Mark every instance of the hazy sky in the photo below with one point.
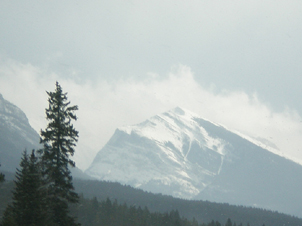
(238, 63)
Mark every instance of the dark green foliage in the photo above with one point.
(108, 213)
(91, 212)
(229, 222)
(2, 177)
(5, 195)
(213, 223)
(203, 211)
(27, 207)
(59, 139)
(8, 217)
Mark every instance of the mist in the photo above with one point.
(106, 105)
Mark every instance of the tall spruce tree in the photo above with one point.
(28, 207)
(59, 139)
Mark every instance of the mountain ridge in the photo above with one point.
(165, 132)
(16, 135)
(181, 154)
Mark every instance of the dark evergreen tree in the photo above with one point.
(229, 222)
(8, 218)
(2, 177)
(194, 222)
(217, 223)
(59, 139)
(27, 207)
(212, 223)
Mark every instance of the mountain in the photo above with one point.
(181, 154)
(16, 135)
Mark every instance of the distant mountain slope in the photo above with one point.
(254, 176)
(16, 135)
(178, 153)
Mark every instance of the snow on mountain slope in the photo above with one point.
(180, 154)
(16, 135)
(169, 149)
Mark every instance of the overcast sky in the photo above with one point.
(237, 63)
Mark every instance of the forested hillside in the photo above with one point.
(108, 203)
(108, 213)
(202, 211)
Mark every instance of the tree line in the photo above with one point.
(110, 213)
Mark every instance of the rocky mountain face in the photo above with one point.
(16, 135)
(180, 154)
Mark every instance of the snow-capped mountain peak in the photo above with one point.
(170, 148)
(181, 154)
(172, 128)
